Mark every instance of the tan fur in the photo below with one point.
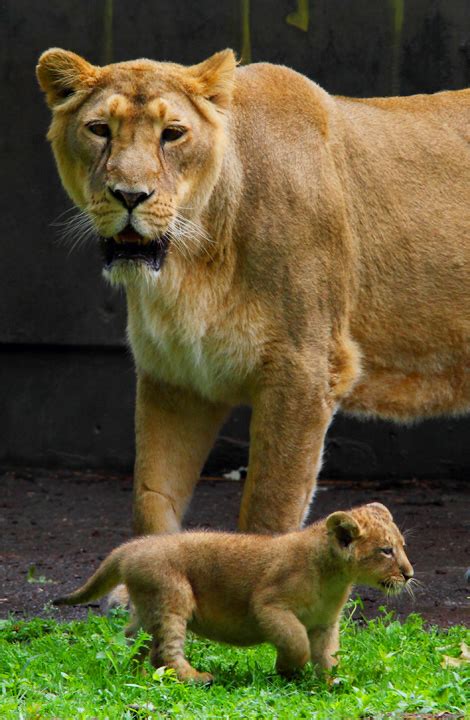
(327, 265)
(248, 589)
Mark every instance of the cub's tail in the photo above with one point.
(101, 582)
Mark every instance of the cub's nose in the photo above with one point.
(130, 200)
(407, 573)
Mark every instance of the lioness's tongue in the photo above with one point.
(128, 235)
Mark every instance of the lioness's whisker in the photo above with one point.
(185, 231)
(192, 227)
(82, 238)
(78, 215)
(75, 230)
(183, 236)
(178, 242)
(58, 221)
(77, 223)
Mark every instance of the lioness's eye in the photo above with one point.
(388, 551)
(170, 134)
(100, 129)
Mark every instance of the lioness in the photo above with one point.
(288, 590)
(279, 247)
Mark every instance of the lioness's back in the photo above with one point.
(403, 171)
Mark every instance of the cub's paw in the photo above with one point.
(289, 673)
(202, 678)
(190, 675)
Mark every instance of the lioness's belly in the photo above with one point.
(393, 394)
(416, 355)
(415, 376)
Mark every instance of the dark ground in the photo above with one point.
(56, 526)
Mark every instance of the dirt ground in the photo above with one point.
(56, 526)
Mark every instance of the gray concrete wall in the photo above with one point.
(66, 377)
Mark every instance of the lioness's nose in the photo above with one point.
(130, 200)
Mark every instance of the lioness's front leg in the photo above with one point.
(291, 413)
(175, 430)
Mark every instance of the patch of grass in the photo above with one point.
(84, 670)
(33, 577)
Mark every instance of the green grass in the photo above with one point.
(79, 670)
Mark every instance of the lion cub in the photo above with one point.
(287, 590)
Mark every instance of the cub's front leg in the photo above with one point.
(324, 644)
(282, 629)
(175, 430)
(292, 409)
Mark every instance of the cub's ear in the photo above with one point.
(61, 73)
(380, 510)
(343, 527)
(214, 78)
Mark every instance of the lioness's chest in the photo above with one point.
(195, 343)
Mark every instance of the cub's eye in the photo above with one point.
(170, 134)
(100, 129)
(388, 551)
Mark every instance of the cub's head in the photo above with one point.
(371, 546)
(139, 147)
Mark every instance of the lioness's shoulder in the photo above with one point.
(278, 92)
(275, 80)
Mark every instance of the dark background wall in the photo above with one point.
(66, 376)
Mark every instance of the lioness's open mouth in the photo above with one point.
(129, 246)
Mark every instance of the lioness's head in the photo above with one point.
(139, 147)
(372, 547)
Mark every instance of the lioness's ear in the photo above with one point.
(61, 73)
(214, 78)
(343, 527)
(380, 510)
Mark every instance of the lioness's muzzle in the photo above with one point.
(152, 253)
